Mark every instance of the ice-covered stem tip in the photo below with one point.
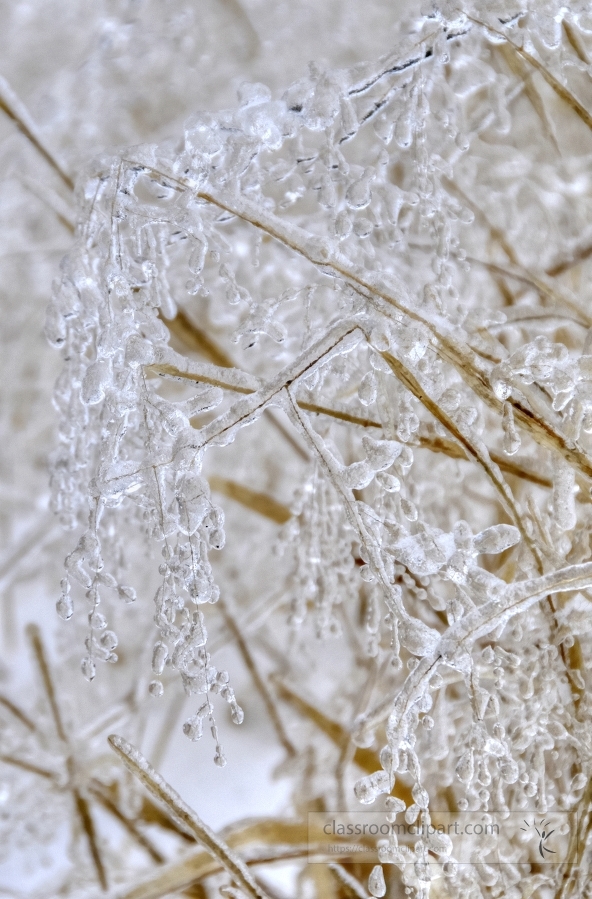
(185, 816)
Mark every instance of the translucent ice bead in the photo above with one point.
(376, 882)
(65, 606)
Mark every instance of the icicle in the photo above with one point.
(511, 437)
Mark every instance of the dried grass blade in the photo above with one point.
(165, 370)
(15, 109)
(88, 827)
(196, 339)
(28, 766)
(159, 788)
(556, 85)
(553, 83)
(17, 712)
(100, 793)
(257, 677)
(365, 759)
(518, 67)
(261, 503)
(34, 635)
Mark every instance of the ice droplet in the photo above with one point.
(388, 482)
(395, 805)
(193, 728)
(358, 475)
(367, 389)
(236, 713)
(465, 768)
(65, 606)
(128, 594)
(159, 657)
(93, 385)
(156, 689)
(511, 440)
(509, 771)
(376, 883)
(88, 668)
(220, 758)
(380, 454)
(420, 796)
(579, 782)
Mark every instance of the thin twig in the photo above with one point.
(15, 109)
(159, 788)
(257, 677)
(17, 712)
(99, 792)
(80, 802)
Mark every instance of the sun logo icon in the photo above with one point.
(543, 834)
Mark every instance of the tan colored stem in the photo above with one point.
(162, 791)
(259, 502)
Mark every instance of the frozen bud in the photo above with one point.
(499, 384)
(358, 194)
(380, 339)
(412, 813)
(138, 352)
(376, 883)
(394, 805)
(496, 539)
(380, 454)
(343, 225)
(564, 512)
(358, 475)
(389, 482)
(386, 759)
(159, 657)
(55, 326)
(450, 400)
(509, 771)
(367, 389)
(128, 594)
(193, 728)
(97, 376)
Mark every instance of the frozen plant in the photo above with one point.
(328, 379)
